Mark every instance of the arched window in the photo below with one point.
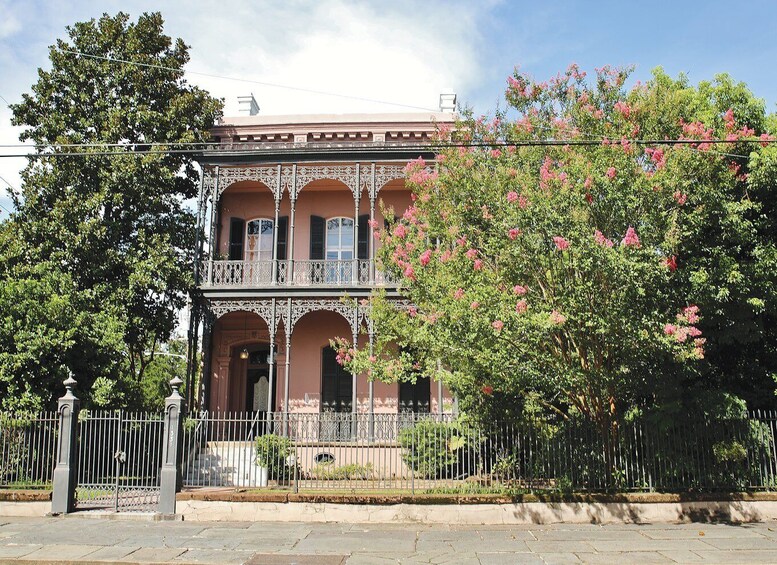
(339, 239)
(259, 236)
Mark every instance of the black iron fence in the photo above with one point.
(438, 453)
(27, 449)
(119, 454)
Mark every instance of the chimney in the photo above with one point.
(247, 105)
(447, 100)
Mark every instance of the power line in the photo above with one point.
(249, 81)
(7, 103)
(199, 148)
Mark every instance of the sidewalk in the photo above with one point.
(92, 539)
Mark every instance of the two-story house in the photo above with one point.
(287, 203)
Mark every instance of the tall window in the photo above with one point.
(259, 240)
(339, 247)
(339, 239)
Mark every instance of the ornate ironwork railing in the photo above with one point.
(258, 274)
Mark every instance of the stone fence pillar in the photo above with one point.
(170, 475)
(64, 484)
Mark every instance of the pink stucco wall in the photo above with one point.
(311, 334)
(250, 200)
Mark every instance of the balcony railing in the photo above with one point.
(306, 273)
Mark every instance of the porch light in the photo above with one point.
(244, 353)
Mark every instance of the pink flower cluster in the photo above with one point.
(680, 197)
(623, 108)
(657, 157)
(601, 239)
(631, 239)
(521, 306)
(513, 233)
(498, 325)
(557, 318)
(561, 243)
(681, 332)
(611, 173)
(520, 290)
(426, 256)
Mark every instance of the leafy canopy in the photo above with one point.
(106, 236)
(579, 275)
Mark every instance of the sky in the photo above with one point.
(404, 52)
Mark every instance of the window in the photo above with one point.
(339, 239)
(339, 250)
(259, 236)
(414, 397)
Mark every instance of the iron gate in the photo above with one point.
(119, 460)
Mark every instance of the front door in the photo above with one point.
(336, 399)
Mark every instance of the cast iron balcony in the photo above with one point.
(305, 273)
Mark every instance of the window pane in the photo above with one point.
(254, 227)
(346, 255)
(331, 255)
(266, 227)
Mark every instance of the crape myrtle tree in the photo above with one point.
(555, 264)
(97, 255)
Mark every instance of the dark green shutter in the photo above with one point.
(317, 234)
(236, 232)
(283, 228)
(363, 249)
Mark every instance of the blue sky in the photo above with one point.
(407, 52)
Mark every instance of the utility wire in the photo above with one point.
(249, 81)
(199, 148)
(7, 103)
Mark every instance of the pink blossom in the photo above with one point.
(373, 359)
(487, 390)
(611, 172)
(601, 240)
(477, 265)
(561, 243)
(445, 256)
(412, 311)
(519, 290)
(521, 306)
(496, 153)
(523, 202)
(373, 223)
(623, 108)
(471, 253)
(631, 239)
(680, 198)
(425, 257)
(409, 273)
(458, 294)
(513, 233)
(690, 314)
(462, 241)
(497, 325)
(557, 318)
(512, 196)
(588, 182)
(400, 231)
(671, 263)
(670, 329)
(475, 305)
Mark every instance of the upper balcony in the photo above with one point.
(282, 273)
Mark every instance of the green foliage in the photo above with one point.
(432, 449)
(589, 279)
(95, 261)
(351, 471)
(273, 453)
(729, 452)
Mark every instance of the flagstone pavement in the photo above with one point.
(90, 539)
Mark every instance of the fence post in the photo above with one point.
(64, 484)
(170, 475)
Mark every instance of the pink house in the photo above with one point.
(286, 203)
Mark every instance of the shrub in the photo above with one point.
(431, 449)
(274, 453)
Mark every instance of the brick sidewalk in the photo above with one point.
(97, 540)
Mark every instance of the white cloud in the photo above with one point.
(402, 51)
